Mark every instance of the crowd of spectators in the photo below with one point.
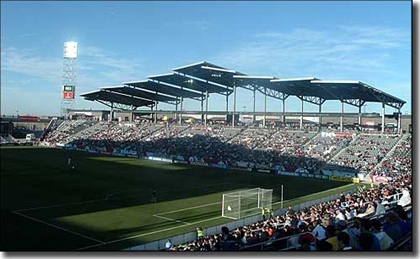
(360, 221)
(366, 151)
(324, 148)
(271, 147)
(341, 224)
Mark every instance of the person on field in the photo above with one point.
(70, 163)
(200, 233)
(168, 244)
(154, 195)
(263, 213)
(270, 213)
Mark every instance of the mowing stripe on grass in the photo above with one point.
(60, 205)
(107, 198)
(145, 234)
(189, 208)
(183, 222)
(57, 227)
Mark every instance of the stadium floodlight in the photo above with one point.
(241, 204)
(69, 77)
(70, 49)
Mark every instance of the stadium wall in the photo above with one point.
(333, 175)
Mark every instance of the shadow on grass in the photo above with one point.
(34, 177)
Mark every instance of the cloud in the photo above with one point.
(305, 52)
(29, 35)
(24, 61)
(95, 67)
(379, 37)
(39, 78)
(191, 25)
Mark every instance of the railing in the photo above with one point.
(283, 243)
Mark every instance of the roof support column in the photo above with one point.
(360, 116)
(341, 116)
(284, 111)
(180, 111)
(111, 114)
(207, 107)
(383, 118)
(176, 110)
(301, 114)
(202, 108)
(320, 117)
(253, 107)
(399, 121)
(265, 105)
(156, 107)
(227, 105)
(234, 105)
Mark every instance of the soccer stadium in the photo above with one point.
(130, 179)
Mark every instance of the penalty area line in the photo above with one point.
(189, 208)
(146, 234)
(57, 227)
(180, 221)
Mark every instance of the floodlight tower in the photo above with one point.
(69, 77)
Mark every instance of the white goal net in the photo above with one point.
(241, 204)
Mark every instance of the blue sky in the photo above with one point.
(126, 41)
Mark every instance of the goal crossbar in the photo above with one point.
(244, 203)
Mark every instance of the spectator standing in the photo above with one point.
(384, 240)
(168, 244)
(339, 216)
(344, 242)
(318, 231)
(342, 227)
(380, 208)
(228, 241)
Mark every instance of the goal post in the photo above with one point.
(241, 204)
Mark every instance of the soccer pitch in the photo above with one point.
(105, 202)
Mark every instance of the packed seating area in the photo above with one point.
(361, 221)
(272, 147)
(366, 151)
(287, 142)
(324, 148)
(65, 129)
(374, 218)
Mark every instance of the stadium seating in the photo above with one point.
(367, 153)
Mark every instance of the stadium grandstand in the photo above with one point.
(197, 81)
(375, 214)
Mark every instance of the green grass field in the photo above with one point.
(104, 204)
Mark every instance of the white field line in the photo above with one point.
(99, 200)
(157, 231)
(189, 208)
(279, 202)
(60, 205)
(146, 234)
(167, 229)
(57, 227)
(183, 222)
